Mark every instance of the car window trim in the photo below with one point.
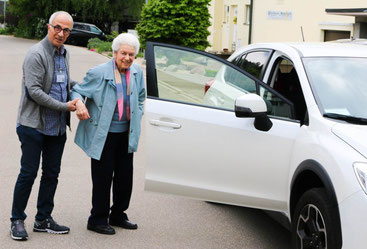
(218, 108)
(263, 70)
(152, 89)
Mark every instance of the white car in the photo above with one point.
(278, 127)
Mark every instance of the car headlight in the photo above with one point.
(360, 169)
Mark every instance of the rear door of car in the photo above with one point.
(197, 149)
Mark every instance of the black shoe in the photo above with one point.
(50, 226)
(104, 229)
(124, 224)
(17, 230)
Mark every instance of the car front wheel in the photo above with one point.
(314, 223)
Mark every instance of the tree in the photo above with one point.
(33, 15)
(179, 22)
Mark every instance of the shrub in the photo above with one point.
(104, 47)
(23, 30)
(140, 54)
(41, 28)
(93, 42)
(112, 36)
(8, 30)
(99, 45)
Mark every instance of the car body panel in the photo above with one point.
(204, 160)
(354, 135)
(353, 216)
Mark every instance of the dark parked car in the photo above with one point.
(82, 32)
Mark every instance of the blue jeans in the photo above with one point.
(33, 145)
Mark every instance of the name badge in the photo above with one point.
(60, 77)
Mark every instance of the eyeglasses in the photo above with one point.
(58, 29)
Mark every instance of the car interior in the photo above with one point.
(286, 82)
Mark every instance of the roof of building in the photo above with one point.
(348, 12)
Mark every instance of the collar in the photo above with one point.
(108, 73)
(61, 51)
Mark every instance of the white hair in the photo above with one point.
(126, 39)
(53, 16)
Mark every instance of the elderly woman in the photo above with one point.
(109, 131)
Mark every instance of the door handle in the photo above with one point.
(164, 124)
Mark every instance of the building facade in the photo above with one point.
(239, 22)
(230, 24)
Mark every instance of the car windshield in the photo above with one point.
(339, 85)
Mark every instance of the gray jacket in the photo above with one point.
(38, 73)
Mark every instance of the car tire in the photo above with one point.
(314, 223)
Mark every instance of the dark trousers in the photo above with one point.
(114, 167)
(33, 145)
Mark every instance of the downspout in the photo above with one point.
(250, 24)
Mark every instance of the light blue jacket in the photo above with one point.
(99, 89)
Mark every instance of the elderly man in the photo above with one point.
(44, 113)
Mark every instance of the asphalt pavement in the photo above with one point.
(164, 221)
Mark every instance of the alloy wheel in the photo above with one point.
(311, 229)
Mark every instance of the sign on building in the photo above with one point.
(280, 15)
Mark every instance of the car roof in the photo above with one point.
(357, 41)
(306, 49)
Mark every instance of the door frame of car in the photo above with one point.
(151, 76)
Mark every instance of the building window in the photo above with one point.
(247, 14)
(226, 14)
(331, 35)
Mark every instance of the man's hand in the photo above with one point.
(81, 111)
(72, 105)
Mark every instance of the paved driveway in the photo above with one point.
(164, 221)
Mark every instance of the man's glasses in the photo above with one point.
(58, 29)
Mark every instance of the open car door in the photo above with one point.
(195, 144)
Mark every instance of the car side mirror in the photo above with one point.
(253, 106)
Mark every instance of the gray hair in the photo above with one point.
(53, 16)
(126, 39)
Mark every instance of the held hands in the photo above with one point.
(71, 105)
(81, 111)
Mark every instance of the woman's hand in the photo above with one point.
(81, 110)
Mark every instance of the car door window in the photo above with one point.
(285, 81)
(77, 26)
(82, 27)
(95, 30)
(194, 77)
(236, 60)
(254, 62)
(236, 79)
(276, 106)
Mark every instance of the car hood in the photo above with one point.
(354, 135)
